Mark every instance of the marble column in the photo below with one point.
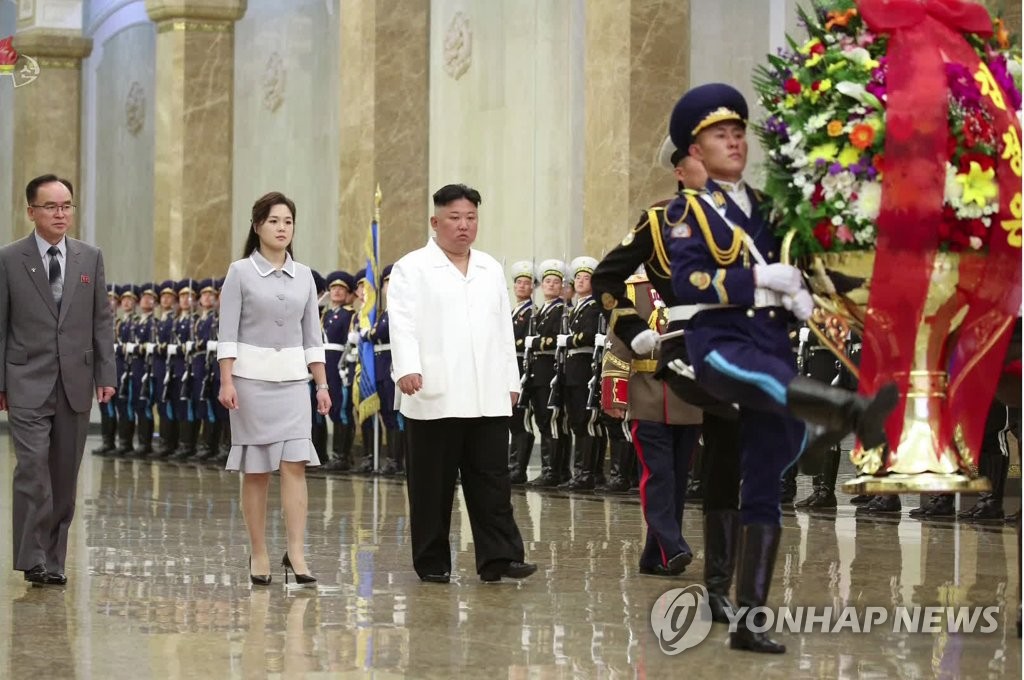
(384, 109)
(194, 121)
(47, 112)
(636, 64)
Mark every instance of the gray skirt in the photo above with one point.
(273, 422)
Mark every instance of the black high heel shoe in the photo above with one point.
(300, 579)
(258, 580)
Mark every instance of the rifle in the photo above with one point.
(126, 377)
(555, 398)
(185, 393)
(206, 393)
(527, 366)
(594, 386)
(147, 376)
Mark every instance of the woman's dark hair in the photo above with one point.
(260, 212)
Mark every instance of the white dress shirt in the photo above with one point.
(454, 330)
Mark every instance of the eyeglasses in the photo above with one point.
(54, 208)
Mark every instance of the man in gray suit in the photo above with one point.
(56, 344)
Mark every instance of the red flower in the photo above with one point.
(824, 232)
(818, 48)
(815, 85)
(793, 86)
(982, 160)
(977, 228)
(952, 145)
(818, 196)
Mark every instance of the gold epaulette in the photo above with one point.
(614, 367)
(723, 257)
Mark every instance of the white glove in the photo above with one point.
(211, 346)
(600, 339)
(682, 369)
(188, 347)
(801, 304)
(353, 338)
(528, 342)
(782, 278)
(805, 332)
(172, 350)
(645, 342)
(561, 340)
(129, 347)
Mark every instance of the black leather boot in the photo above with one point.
(208, 448)
(202, 436)
(759, 544)
(108, 432)
(721, 535)
(548, 452)
(125, 434)
(145, 431)
(622, 458)
(339, 456)
(695, 487)
(824, 495)
(168, 438)
(600, 447)
(583, 478)
(522, 449)
(563, 457)
(840, 412)
(391, 444)
(187, 443)
(989, 506)
(788, 483)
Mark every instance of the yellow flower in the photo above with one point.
(836, 65)
(848, 156)
(825, 85)
(809, 45)
(790, 101)
(813, 60)
(835, 128)
(979, 185)
(826, 152)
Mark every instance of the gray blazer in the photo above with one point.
(36, 338)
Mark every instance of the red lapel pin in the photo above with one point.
(85, 278)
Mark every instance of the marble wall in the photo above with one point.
(504, 92)
(286, 132)
(125, 129)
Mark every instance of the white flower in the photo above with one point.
(976, 243)
(864, 236)
(818, 121)
(839, 184)
(858, 55)
(808, 190)
(869, 200)
(837, 220)
(954, 189)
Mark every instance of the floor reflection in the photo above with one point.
(159, 588)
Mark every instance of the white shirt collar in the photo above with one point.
(732, 187)
(264, 268)
(441, 258)
(43, 246)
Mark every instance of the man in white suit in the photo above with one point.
(56, 347)
(454, 360)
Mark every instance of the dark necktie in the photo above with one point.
(56, 285)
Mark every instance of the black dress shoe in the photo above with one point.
(36, 574)
(882, 504)
(436, 578)
(861, 499)
(54, 578)
(512, 569)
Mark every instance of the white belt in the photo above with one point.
(581, 350)
(385, 347)
(333, 347)
(762, 298)
(545, 353)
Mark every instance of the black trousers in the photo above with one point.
(721, 463)
(476, 449)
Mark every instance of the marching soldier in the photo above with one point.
(543, 371)
(336, 321)
(108, 411)
(124, 350)
(204, 367)
(380, 336)
(144, 337)
(665, 431)
(521, 432)
(724, 260)
(181, 372)
(168, 314)
(579, 343)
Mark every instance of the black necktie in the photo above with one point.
(56, 287)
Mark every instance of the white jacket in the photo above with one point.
(455, 331)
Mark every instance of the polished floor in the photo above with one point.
(158, 588)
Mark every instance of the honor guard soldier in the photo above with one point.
(542, 346)
(817, 361)
(108, 411)
(223, 444)
(579, 346)
(144, 337)
(168, 314)
(124, 350)
(394, 429)
(204, 367)
(520, 428)
(644, 246)
(665, 431)
(181, 372)
(355, 336)
(336, 321)
(318, 431)
(724, 258)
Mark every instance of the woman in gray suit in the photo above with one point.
(269, 343)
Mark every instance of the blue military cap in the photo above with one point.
(340, 278)
(385, 273)
(128, 290)
(185, 286)
(168, 286)
(206, 285)
(218, 284)
(113, 290)
(320, 281)
(360, 275)
(148, 289)
(703, 106)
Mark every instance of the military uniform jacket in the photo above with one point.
(711, 265)
(583, 322)
(628, 382)
(521, 315)
(547, 328)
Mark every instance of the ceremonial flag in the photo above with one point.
(366, 399)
